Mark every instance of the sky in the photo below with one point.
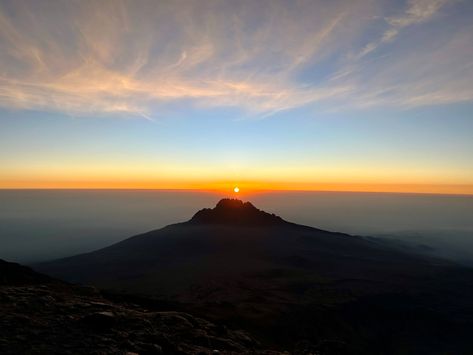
(354, 95)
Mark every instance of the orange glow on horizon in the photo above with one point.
(248, 186)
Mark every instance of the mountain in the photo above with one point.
(235, 242)
(288, 283)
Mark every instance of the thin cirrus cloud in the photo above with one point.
(124, 57)
(416, 12)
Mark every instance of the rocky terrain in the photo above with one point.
(40, 315)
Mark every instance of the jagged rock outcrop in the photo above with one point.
(234, 211)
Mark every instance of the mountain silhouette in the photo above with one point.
(282, 281)
(233, 243)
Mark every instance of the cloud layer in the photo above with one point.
(132, 57)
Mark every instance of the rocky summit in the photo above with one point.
(234, 211)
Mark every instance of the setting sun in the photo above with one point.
(236, 189)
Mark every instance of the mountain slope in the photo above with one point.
(14, 274)
(234, 242)
(289, 284)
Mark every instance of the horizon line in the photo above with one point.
(234, 194)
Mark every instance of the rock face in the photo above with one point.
(58, 318)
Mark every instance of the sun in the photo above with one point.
(236, 189)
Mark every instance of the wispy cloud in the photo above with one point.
(427, 75)
(124, 57)
(417, 12)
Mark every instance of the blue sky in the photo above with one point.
(288, 92)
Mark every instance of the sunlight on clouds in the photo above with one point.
(123, 57)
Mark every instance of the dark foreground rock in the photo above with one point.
(60, 319)
(16, 274)
(40, 315)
